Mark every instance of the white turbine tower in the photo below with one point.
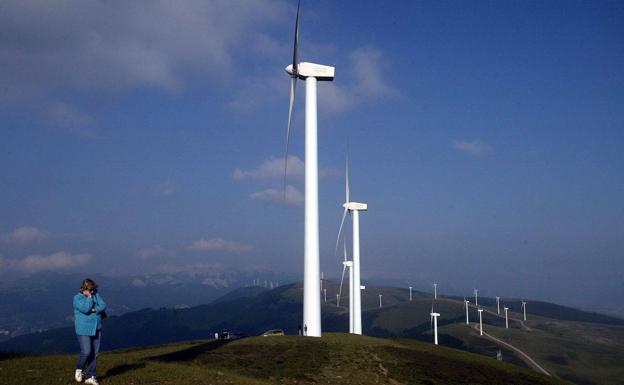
(476, 294)
(410, 293)
(435, 290)
(524, 309)
(498, 305)
(310, 73)
(325, 295)
(481, 321)
(380, 300)
(506, 319)
(322, 281)
(354, 209)
(466, 302)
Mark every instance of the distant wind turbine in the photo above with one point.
(466, 302)
(310, 73)
(347, 264)
(476, 294)
(481, 321)
(506, 319)
(325, 294)
(498, 305)
(354, 209)
(380, 300)
(434, 318)
(435, 290)
(410, 293)
(524, 309)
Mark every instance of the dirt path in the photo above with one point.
(525, 357)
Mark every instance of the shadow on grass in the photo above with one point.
(191, 353)
(121, 369)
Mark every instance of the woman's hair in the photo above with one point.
(88, 284)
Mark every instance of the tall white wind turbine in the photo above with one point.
(410, 293)
(435, 290)
(476, 294)
(380, 295)
(498, 305)
(466, 302)
(354, 209)
(310, 73)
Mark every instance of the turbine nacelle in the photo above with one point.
(319, 71)
(348, 263)
(355, 206)
(435, 314)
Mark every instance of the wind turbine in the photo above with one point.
(476, 294)
(524, 309)
(410, 293)
(322, 281)
(310, 73)
(434, 318)
(380, 300)
(347, 264)
(481, 321)
(506, 319)
(466, 302)
(325, 294)
(498, 305)
(435, 290)
(354, 209)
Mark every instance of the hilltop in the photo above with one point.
(333, 359)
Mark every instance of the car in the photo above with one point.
(273, 332)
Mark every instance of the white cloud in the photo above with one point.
(273, 168)
(292, 196)
(152, 251)
(163, 189)
(366, 81)
(57, 261)
(70, 118)
(475, 147)
(27, 234)
(219, 244)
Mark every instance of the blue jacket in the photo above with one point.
(87, 314)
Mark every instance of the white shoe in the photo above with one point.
(79, 376)
(92, 381)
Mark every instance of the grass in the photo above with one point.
(334, 359)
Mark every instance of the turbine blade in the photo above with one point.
(344, 267)
(347, 179)
(344, 246)
(295, 64)
(293, 89)
(344, 215)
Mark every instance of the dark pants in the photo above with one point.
(89, 352)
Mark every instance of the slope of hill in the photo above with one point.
(579, 351)
(334, 358)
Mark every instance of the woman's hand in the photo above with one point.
(86, 293)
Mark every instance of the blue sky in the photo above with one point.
(485, 136)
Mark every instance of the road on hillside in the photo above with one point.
(524, 326)
(525, 357)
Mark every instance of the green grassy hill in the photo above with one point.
(333, 359)
(583, 352)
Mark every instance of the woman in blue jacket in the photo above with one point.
(89, 307)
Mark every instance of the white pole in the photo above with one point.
(498, 305)
(467, 321)
(476, 293)
(410, 293)
(337, 300)
(311, 287)
(506, 320)
(357, 290)
(325, 294)
(481, 321)
(321, 281)
(351, 291)
(380, 301)
(435, 329)
(435, 291)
